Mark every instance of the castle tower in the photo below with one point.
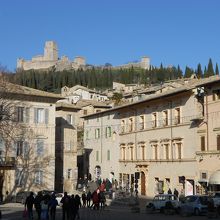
(81, 61)
(145, 62)
(50, 51)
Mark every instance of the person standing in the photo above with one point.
(88, 198)
(52, 206)
(169, 191)
(176, 193)
(29, 205)
(84, 199)
(65, 201)
(37, 204)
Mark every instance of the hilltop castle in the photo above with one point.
(50, 59)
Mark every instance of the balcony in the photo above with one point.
(7, 162)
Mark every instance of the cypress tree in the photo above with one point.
(216, 69)
(188, 72)
(210, 70)
(199, 71)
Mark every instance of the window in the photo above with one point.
(165, 118)
(19, 177)
(202, 139)
(141, 122)
(20, 148)
(218, 142)
(41, 115)
(177, 116)
(40, 147)
(85, 112)
(132, 152)
(142, 152)
(166, 151)
(155, 151)
(69, 173)
(108, 155)
(108, 132)
(123, 152)
(154, 120)
(122, 126)
(216, 94)
(20, 114)
(204, 175)
(179, 150)
(131, 124)
(69, 119)
(68, 146)
(97, 155)
(2, 147)
(97, 133)
(38, 177)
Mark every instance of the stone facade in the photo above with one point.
(50, 60)
(33, 146)
(164, 138)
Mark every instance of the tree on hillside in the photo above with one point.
(188, 72)
(210, 69)
(216, 69)
(179, 72)
(117, 98)
(199, 73)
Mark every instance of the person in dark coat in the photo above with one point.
(52, 206)
(65, 201)
(77, 205)
(72, 208)
(176, 193)
(37, 204)
(88, 198)
(29, 205)
(84, 199)
(169, 191)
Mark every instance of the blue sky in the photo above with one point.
(173, 32)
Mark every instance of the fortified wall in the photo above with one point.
(50, 59)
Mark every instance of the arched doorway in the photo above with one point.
(143, 187)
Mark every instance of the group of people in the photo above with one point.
(45, 205)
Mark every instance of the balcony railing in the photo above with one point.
(7, 162)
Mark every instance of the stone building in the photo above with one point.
(27, 155)
(50, 59)
(162, 138)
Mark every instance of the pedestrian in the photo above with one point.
(65, 207)
(102, 200)
(169, 191)
(29, 205)
(72, 208)
(176, 193)
(95, 200)
(88, 198)
(52, 206)
(77, 205)
(45, 207)
(84, 199)
(37, 204)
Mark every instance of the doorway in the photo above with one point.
(143, 187)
